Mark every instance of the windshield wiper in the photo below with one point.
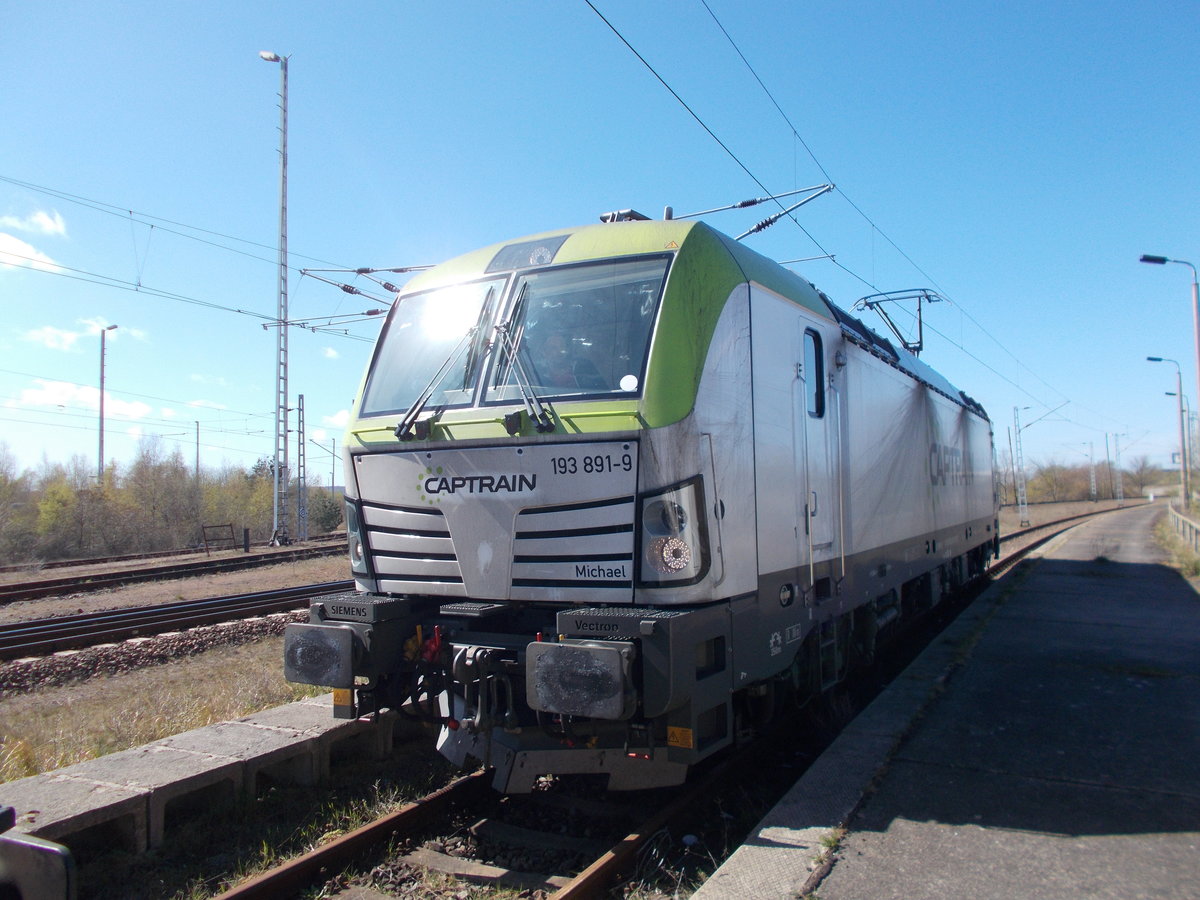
(534, 408)
(404, 431)
(478, 345)
(409, 424)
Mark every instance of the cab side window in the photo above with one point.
(814, 374)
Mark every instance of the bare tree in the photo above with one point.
(1142, 472)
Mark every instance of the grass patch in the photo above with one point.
(1182, 558)
(59, 726)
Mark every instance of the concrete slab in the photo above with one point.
(58, 808)
(171, 778)
(130, 796)
(263, 751)
(313, 718)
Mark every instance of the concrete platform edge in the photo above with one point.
(787, 853)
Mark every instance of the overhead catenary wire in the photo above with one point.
(136, 216)
(699, 121)
(876, 229)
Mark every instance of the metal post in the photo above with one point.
(1196, 330)
(1183, 443)
(1092, 495)
(1120, 474)
(1108, 465)
(1022, 501)
(301, 473)
(1162, 260)
(1189, 474)
(100, 467)
(281, 337)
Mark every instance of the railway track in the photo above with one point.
(49, 587)
(470, 796)
(338, 536)
(39, 637)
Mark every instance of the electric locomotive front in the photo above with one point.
(528, 511)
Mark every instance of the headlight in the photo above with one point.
(360, 563)
(674, 536)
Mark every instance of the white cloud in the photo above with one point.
(125, 409)
(53, 338)
(41, 222)
(338, 420)
(330, 353)
(56, 394)
(15, 253)
(199, 378)
(64, 395)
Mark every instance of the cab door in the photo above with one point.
(820, 503)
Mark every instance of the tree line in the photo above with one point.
(159, 502)
(1052, 481)
(155, 502)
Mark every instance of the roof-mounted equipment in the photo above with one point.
(921, 295)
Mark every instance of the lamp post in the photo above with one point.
(1187, 437)
(280, 525)
(1183, 460)
(1163, 260)
(100, 467)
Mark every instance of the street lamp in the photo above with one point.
(1183, 459)
(280, 527)
(100, 469)
(1163, 260)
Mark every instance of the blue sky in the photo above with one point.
(1017, 157)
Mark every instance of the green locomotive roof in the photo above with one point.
(719, 255)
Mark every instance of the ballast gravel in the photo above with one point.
(24, 675)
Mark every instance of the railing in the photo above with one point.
(1188, 530)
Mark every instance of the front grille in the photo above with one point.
(411, 550)
(574, 546)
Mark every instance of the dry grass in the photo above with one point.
(59, 726)
(1183, 559)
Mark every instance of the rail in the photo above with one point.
(47, 587)
(38, 565)
(39, 637)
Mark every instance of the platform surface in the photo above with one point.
(1046, 746)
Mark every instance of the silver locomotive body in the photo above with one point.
(611, 491)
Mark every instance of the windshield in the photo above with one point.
(441, 328)
(579, 330)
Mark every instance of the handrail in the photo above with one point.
(1187, 529)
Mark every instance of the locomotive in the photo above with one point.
(613, 492)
